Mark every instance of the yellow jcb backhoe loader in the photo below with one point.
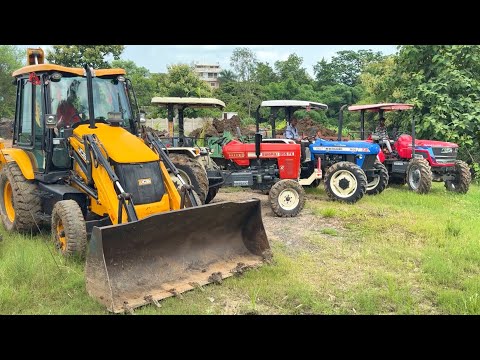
(77, 164)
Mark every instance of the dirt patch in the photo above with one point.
(219, 126)
(308, 127)
(295, 232)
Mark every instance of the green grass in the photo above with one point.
(395, 253)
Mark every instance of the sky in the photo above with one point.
(156, 58)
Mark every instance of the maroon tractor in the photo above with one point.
(412, 161)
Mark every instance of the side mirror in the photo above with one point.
(50, 121)
(142, 117)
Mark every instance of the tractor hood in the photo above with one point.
(407, 139)
(343, 147)
(434, 143)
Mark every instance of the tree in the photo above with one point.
(11, 58)
(143, 83)
(264, 74)
(378, 80)
(226, 76)
(292, 67)
(443, 82)
(345, 67)
(244, 61)
(79, 55)
(181, 80)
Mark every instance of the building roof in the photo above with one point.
(383, 106)
(188, 101)
(294, 103)
(77, 71)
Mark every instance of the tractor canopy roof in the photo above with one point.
(378, 107)
(294, 103)
(76, 71)
(192, 102)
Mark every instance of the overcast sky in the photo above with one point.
(157, 57)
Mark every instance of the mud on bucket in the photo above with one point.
(130, 265)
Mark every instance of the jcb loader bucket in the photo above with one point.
(130, 265)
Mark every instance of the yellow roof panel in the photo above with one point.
(77, 71)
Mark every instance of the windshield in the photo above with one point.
(70, 102)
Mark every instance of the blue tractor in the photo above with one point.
(349, 169)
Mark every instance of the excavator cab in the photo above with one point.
(77, 165)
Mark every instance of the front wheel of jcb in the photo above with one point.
(69, 232)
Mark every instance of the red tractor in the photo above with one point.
(416, 162)
(273, 166)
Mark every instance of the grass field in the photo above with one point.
(397, 253)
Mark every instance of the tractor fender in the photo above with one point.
(21, 158)
(186, 151)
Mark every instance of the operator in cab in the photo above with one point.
(292, 132)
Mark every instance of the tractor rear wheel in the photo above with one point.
(345, 181)
(378, 184)
(463, 178)
(419, 176)
(69, 232)
(287, 198)
(193, 173)
(20, 204)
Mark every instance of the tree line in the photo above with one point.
(442, 81)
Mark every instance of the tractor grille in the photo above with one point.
(368, 162)
(445, 155)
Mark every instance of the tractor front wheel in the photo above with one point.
(69, 232)
(287, 198)
(345, 181)
(419, 176)
(463, 178)
(378, 184)
(20, 204)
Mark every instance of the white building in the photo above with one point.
(208, 73)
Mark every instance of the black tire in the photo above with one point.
(287, 198)
(197, 199)
(463, 178)
(314, 184)
(419, 176)
(348, 174)
(69, 232)
(22, 196)
(378, 184)
(194, 172)
(212, 192)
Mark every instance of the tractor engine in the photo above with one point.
(257, 176)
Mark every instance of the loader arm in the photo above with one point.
(156, 144)
(115, 168)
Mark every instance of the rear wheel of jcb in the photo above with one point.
(419, 176)
(69, 232)
(193, 173)
(463, 178)
(378, 184)
(287, 198)
(20, 204)
(345, 181)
